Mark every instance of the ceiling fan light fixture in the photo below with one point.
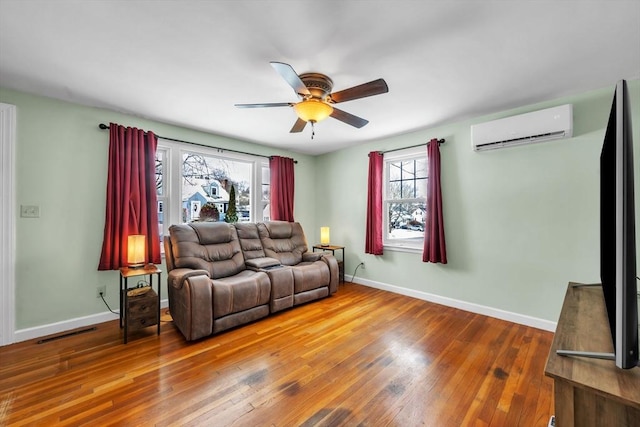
(313, 110)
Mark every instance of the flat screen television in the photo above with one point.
(617, 230)
(618, 235)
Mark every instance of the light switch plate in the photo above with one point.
(29, 211)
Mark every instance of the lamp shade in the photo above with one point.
(313, 110)
(324, 236)
(135, 250)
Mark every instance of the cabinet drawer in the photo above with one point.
(142, 310)
(134, 323)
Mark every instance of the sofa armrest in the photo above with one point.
(334, 275)
(263, 262)
(179, 275)
(191, 305)
(313, 256)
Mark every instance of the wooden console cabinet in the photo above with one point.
(590, 392)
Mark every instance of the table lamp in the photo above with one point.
(135, 250)
(324, 236)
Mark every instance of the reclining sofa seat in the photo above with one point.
(210, 289)
(281, 278)
(286, 242)
(223, 275)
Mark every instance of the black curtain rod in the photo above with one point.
(440, 142)
(104, 127)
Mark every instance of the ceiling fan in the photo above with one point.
(316, 104)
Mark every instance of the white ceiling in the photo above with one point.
(188, 62)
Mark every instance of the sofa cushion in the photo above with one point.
(283, 240)
(310, 275)
(240, 292)
(249, 240)
(209, 246)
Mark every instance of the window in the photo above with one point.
(192, 181)
(161, 163)
(404, 199)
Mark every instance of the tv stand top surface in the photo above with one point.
(583, 326)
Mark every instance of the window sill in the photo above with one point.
(409, 249)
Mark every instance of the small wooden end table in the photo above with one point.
(333, 249)
(137, 312)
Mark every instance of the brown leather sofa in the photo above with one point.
(223, 275)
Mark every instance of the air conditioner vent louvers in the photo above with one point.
(538, 126)
(526, 139)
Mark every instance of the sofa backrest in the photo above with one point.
(283, 240)
(210, 246)
(249, 240)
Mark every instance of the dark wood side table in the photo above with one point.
(590, 392)
(140, 311)
(333, 249)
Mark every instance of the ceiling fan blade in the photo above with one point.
(271, 104)
(298, 126)
(289, 74)
(349, 118)
(375, 87)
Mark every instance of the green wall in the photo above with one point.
(520, 222)
(61, 166)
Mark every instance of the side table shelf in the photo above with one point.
(333, 249)
(140, 311)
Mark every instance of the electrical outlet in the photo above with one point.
(362, 265)
(101, 290)
(29, 211)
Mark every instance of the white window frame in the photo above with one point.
(172, 179)
(401, 245)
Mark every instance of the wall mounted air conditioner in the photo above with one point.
(538, 126)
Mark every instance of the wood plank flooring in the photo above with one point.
(363, 357)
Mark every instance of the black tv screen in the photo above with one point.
(617, 231)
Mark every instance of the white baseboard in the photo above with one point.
(81, 322)
(68, 325)
(509, 316)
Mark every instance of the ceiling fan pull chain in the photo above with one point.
(313, 129)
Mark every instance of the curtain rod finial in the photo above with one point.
(103, 126)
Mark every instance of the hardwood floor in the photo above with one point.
(363, 357)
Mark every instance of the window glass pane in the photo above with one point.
(421, 188)
(265, 213)
(395, 190)
(406, 220)
(394, 171)
(421, 168)
(160, 156)
(206, 183)
(408, 169)
(408, 189)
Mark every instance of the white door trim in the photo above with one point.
(7, 223)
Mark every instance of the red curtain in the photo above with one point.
(435, 249)
(132, 206)
(373, 239)
(282, 188)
